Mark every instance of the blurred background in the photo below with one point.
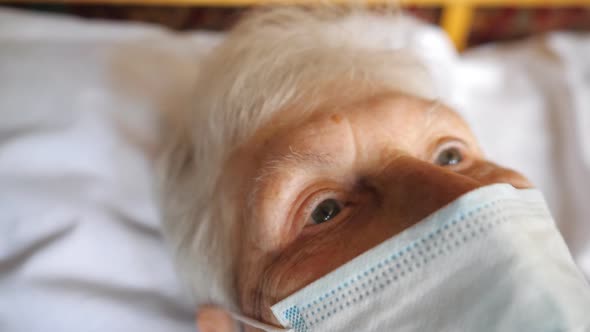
(489, 22)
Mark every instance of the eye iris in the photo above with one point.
(449, 157)
(325, 211)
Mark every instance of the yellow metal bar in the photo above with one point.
(497, 3)
(474, 3)
(456, 20)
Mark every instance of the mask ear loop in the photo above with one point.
(259, 325)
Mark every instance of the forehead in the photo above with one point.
(397, 118)
(366, 132)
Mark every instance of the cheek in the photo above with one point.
(301, 263)
(315, 255)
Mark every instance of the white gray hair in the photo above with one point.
(272, 59)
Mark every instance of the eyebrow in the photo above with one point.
(282, 162)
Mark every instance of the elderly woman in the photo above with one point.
(316, 185)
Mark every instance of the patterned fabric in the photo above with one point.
(489, 24)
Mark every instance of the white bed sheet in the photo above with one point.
(529, 103)
(80, 244)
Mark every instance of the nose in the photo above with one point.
(488, 173)
(410, 189)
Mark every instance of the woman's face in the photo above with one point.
(317, 193)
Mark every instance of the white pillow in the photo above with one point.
(529, 104)
(80, 242)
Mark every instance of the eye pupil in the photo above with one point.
(325, 211)
(449, 157)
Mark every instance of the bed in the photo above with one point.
(80, 243)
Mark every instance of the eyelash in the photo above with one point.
(314, 199)
(317, 199)
(447, 143)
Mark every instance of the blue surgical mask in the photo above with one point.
(492, 260)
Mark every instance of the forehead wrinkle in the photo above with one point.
(434, 112)
(283, 164)
(438, 114)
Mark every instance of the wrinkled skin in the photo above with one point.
(388, 161)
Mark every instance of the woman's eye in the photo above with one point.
(326, 210)
(449, 157)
